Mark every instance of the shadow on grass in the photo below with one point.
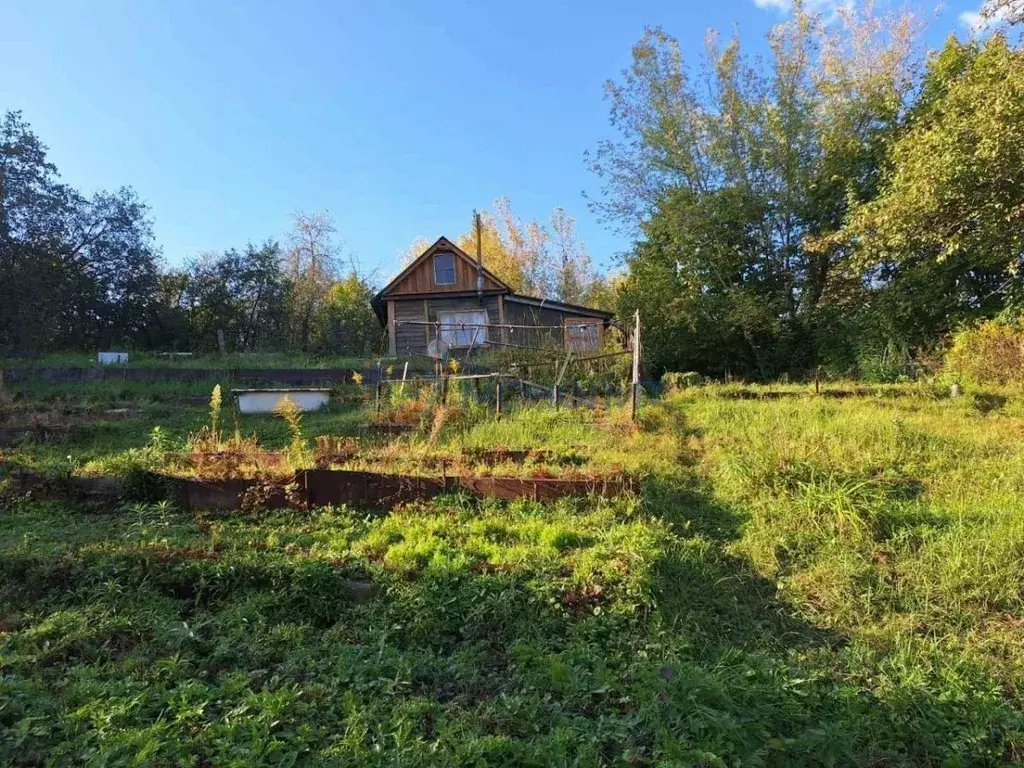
(704, 591)
(450, 662)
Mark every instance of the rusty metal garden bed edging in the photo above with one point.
(323, 487)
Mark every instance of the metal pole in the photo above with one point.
(636, 368)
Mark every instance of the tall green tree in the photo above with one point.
(346, 323)
(311, 264)
(243, 293)
(726, 172)
(953, 189)
(74, 271)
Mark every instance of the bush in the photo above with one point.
(886, 365)
(673, 381)
(991, 352)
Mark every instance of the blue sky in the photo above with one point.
(399, 117)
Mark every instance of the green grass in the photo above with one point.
(227, 361)
(802, 581)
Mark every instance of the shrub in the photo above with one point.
(891, 363)
(991, 352)
(674, 381)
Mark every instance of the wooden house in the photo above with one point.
(446, 300)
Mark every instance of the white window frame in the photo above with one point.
(467, 328)
(455, 277)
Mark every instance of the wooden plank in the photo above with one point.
(503, 333)
(392, 331)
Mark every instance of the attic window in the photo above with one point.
(444, 269)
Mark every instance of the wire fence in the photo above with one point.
(488, 371)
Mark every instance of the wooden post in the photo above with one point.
(405, 370)
(497, 398)
(222, 344)
(392, 331)
(554, 395)
(503, 331)
(376, 392)
(444, 389)
(636, 368)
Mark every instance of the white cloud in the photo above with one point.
(825, 7)
(974, 21)
(979, 24)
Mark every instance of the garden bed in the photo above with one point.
(320, 487)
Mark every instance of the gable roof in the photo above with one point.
(442, 244)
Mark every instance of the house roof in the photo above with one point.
(560, 305)
(442, 244)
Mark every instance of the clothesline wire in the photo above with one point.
(439, 324)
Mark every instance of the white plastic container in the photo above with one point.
(265, 400)
(112, 358)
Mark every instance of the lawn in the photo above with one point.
(800, 580)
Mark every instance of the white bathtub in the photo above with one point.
(264, 400)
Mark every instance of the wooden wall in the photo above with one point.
(421, 279)
(410, 339)
(413, 339)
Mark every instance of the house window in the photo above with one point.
(463, 329)
(583, 335)
(444, 269)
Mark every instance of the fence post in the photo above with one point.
(554, 396)
(376, 390)
(497, 398)
(444, 389)
(636, 368)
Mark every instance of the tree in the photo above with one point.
(74, 271)
(413, 251)
(944, 239)
(243, 293)
(728, 180)
(110, 240)
(1010, 11)
(532, 258)
(347, 324)
(510, 249)
(310, 265)
(574, 270)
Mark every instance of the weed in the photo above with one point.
(289, 412)
(215, 406)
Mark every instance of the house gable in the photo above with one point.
(420, 277)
